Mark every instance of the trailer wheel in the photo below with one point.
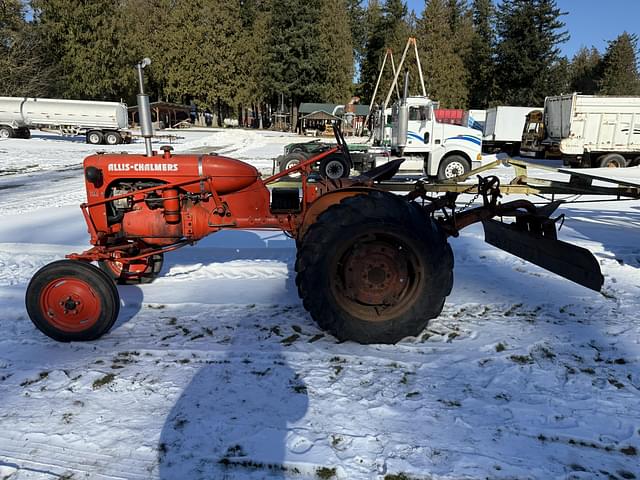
(6, 132)
(453, 166)
(71, 300)
(334, 166)
(24, 133)
(94, 137)
(141, 272)
(612, 160)
(112, 138)
(291, 160)
(374, 269)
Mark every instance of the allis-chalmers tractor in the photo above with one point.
(371, 266)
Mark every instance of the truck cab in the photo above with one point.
(440, 149)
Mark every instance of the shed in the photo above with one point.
(168, 113)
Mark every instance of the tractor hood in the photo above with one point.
(227, 174)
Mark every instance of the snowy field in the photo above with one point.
(215, 371)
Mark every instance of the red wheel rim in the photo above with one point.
(70, 304)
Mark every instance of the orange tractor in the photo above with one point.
(371, 266)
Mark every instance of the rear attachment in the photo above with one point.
(569, 261)
(531, 237)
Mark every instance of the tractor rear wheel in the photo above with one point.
(334, 166)
(139, 272)
(71, 300)
(374, 269)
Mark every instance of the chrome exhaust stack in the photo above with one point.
(144, 109)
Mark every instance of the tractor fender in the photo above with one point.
(325, 201)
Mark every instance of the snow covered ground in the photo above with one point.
(216, 371)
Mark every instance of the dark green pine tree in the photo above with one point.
(291, 68)
(252, 52)
(335, 52)
(445, 72)
(387, 27)
(373, 52)
(529, 35)
(620, 67)
(585, 71)
(24, 69)
(461, 24)
(480, 62)
(87, 44)
(357, 23)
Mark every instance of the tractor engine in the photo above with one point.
(162, 199)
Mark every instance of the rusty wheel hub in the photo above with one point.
(375, 273)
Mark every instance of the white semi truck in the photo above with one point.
(100, 122)
(593, 131)
(503, 129)
(437, 149)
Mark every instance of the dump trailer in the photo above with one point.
(593, 131)
(100, 122)
(503, 129)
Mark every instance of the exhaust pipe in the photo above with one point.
(144, 110)
(405, 92)
(402, 128)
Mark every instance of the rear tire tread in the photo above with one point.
(365, 209)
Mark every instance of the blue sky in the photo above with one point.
(589, 22)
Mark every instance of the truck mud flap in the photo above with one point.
(569, 261)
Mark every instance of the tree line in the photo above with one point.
(247, 56)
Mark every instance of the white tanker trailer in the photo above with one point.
(100, 122)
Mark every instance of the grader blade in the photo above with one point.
(569, 261)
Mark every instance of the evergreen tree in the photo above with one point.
(480, 62)
(461, 24)
(252, 52)
(585, 71)
(374, 50)
(529, 33)
(386, 28)
(291, 68)
(335, 52)
(24, 70)
(620, 67)
(86, 42)
(140, 21)
(357, 24)
(445, 75)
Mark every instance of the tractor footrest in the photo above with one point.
(285, 200)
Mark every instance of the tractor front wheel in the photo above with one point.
(291, 160)
(138, 272)
(374, 269)
(71, 300)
